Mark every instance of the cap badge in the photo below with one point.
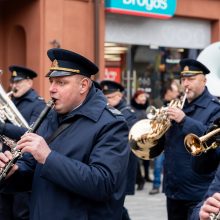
(14, 73)
(105, 87)
(54, 64)
(186, 68)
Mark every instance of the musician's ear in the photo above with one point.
(84, 84)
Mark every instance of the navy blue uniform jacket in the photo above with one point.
(180, 181)
(84, 175)
(30, 106)
(205, 163)
(213, 188)
(131, 118)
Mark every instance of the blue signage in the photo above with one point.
(148, 8)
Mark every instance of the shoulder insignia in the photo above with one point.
(127, 108)
(113, 110)
(216, 100)
(40, 98)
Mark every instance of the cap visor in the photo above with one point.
(189, 74)
(56, 73)
(16, 79)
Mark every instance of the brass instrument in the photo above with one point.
(196, 145)
(8, 111)
(145, 134)
(11, 92)
(16, 154)
(214, 216)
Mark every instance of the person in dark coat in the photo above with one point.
(79, 173)
(29, 104)
(25, 98)
(114, 93)
(207, 162)
(140, 102)
(210, 205)
(183, 187)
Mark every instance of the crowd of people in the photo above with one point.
(79, 165)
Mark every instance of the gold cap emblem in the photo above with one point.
(14, 73)
(105, 87)
(54, 64)
(186, 68)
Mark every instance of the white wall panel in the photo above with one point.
(174, 32)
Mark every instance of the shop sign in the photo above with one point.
(148, 8)
(113, 73)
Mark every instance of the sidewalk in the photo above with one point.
(143, 206)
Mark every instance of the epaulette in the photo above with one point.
(113, 110)
(216, 100)
(128, 108)
(40, 98)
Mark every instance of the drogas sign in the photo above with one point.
(148, 8)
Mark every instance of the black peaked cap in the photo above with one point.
(109, 86)
(190, 67)
(20, 72)
(67, 63)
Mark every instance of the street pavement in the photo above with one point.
(143, 206)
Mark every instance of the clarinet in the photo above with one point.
(214, 216)
(16, 154)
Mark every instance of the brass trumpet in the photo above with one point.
(196, 145)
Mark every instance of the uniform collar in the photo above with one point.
(30, 95)
(203, 99)
(121, 104)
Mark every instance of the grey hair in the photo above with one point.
(81, 77)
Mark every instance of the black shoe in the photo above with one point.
(154, 191)
(140, 186)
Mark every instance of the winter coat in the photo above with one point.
(180, 181)
(131, 118)
(84, 175)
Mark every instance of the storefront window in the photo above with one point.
(143, 67)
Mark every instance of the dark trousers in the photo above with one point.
(14, 206)
(140, 179)
(146, 164)
(179, 209)
(125, 215)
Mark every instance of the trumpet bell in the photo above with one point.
(142, 147)
(193, 144)
(197, 145)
